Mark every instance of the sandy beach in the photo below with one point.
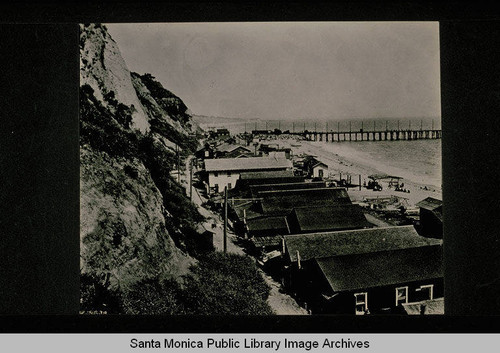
(339, 164)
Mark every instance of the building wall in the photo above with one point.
(222, 179)
(316, 172)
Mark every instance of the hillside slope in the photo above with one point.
(133, 216)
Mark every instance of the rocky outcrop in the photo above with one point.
(122, 224)
(126, 227)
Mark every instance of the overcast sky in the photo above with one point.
(275, 70)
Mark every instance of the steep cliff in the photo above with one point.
(135, 220)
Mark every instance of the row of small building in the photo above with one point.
(322, 246)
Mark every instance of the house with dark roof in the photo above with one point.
(376, 282)
(301, 252)
(269, 205)
(315, 168)
(431, 217)
(224, 172)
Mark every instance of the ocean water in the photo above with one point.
(416, 160)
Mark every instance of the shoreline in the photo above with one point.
(343, 164)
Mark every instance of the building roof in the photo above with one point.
(319, 164)
(328, 218)
(278, 224)
(432, 307)
(260, 242)
(256, 189)
(326, 244)
(246, 164)
(283, 201)
(228, 147)
(430, 204)
(382, 268)
(286, 174)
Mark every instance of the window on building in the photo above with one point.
(216, 174)
(216, 187)
(425, 292)
(361, 302)
(228, 174)
(229, 186)
(401, 295)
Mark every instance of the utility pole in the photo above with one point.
(225, 219)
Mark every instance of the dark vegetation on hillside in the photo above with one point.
(218, 284)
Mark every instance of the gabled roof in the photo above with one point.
(430, 203)
(246, 164)
(228, 147)
(326, 244)
(283, 201)
(383, 268)
(319, 164)
(328, 218)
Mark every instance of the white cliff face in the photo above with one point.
(103, 68)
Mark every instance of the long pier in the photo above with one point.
(382, 135)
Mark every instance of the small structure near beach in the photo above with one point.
(431, 217)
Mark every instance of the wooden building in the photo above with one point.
(431, 217)
(314, 168)
(376, 282)
(224, 172)
(301, 274)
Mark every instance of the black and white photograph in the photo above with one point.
(261, 168)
